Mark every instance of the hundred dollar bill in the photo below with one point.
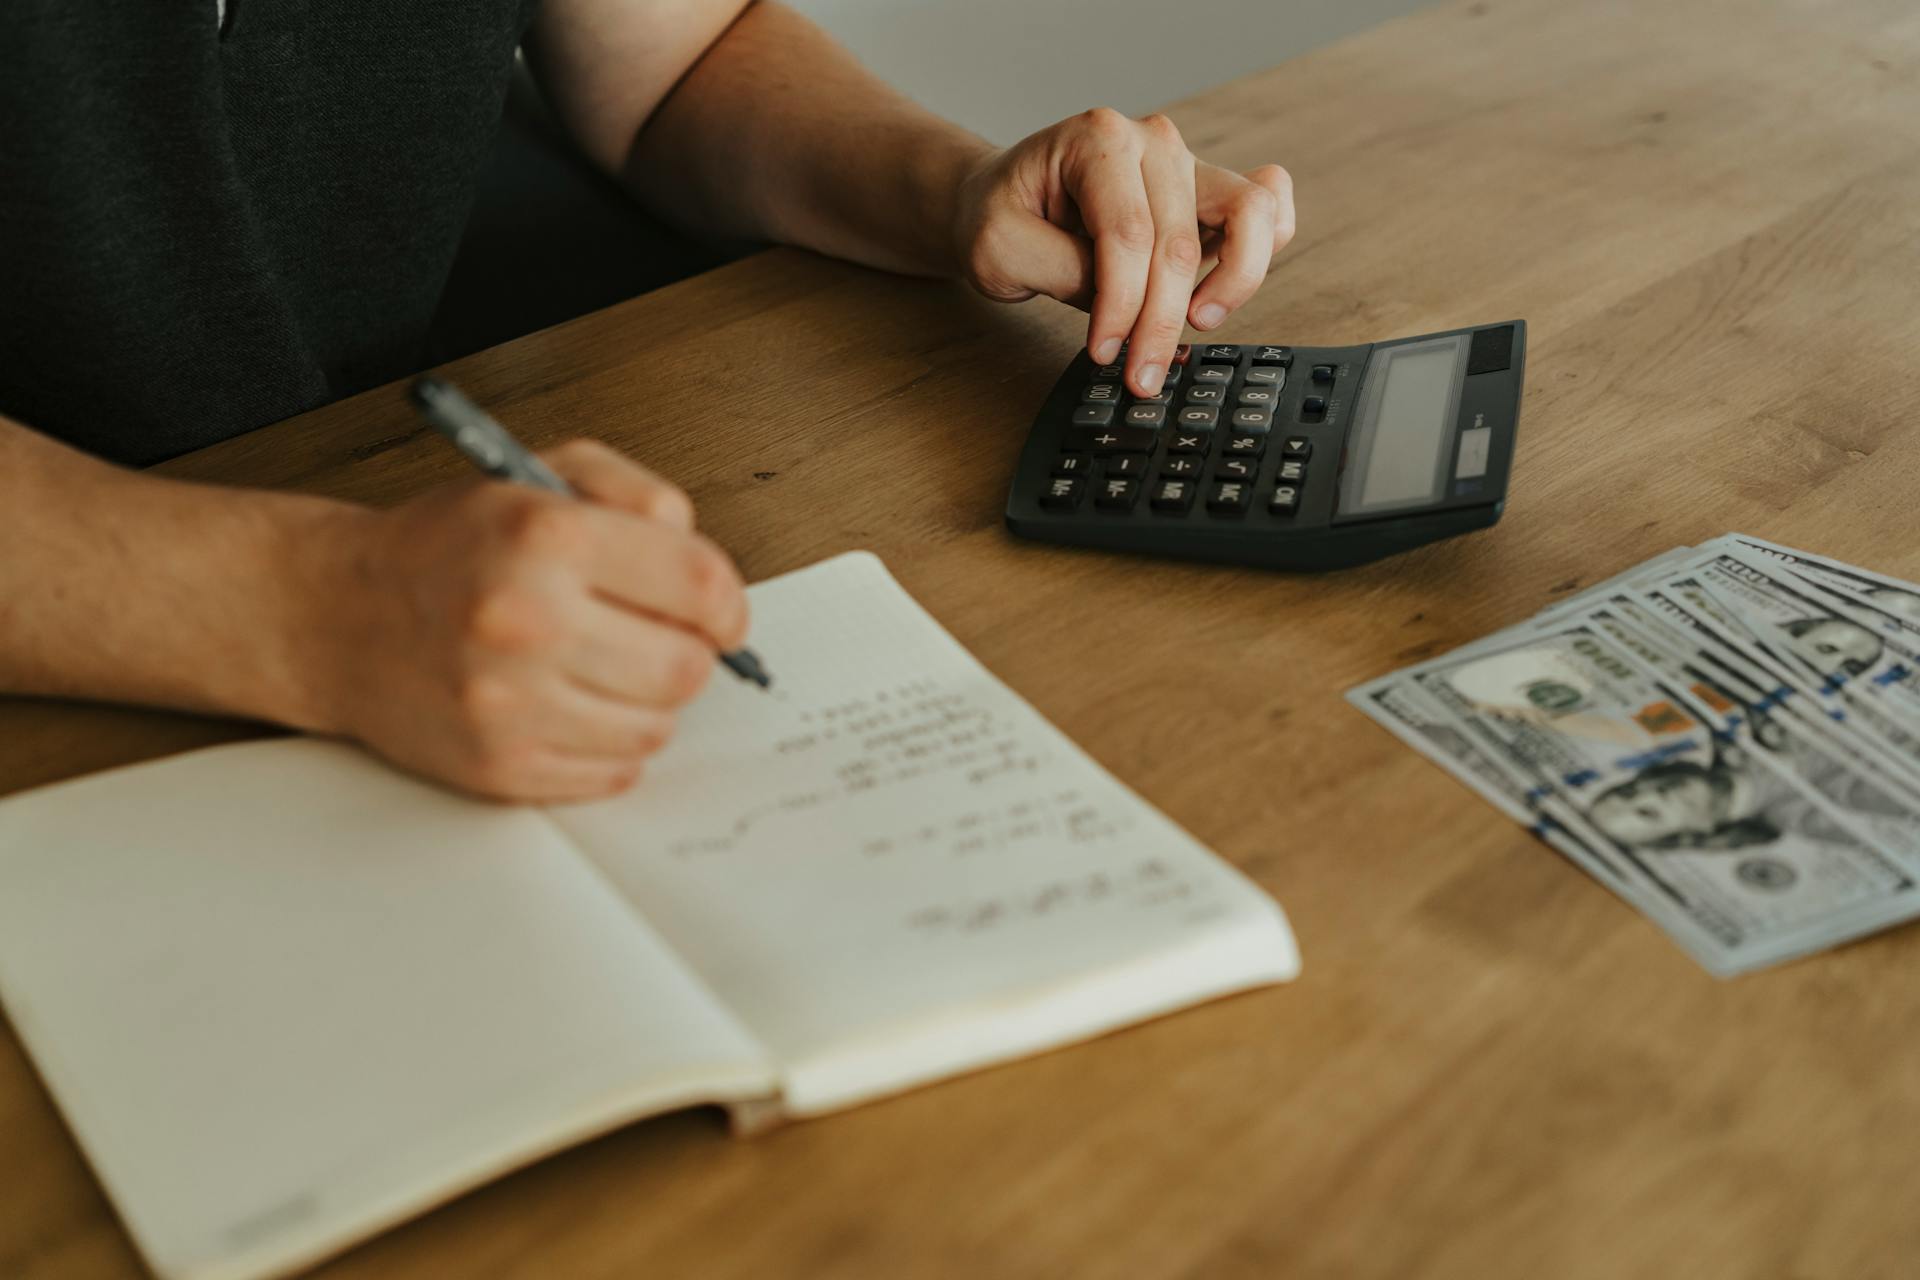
(1686, 601)
(1758, 864)
(1837, 766)
(1662, 642)
(1854, 649)
(1410, 713)
(1892, 596)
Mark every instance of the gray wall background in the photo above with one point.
(1006, 67)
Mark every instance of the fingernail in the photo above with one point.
(1150, 376)
(1210, 315)
(1106, 351)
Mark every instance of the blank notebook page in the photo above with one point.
(892, 854)
(284, 993)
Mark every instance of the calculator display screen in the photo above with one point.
(1403, 427)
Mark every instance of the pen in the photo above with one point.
(491, 448)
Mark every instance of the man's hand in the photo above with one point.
(522, 645)
(1116, 216)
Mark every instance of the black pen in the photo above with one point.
(491, 448)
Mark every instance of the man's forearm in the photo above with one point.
(778, 133)
(129, 588)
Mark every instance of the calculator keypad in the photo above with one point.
(1224, 438)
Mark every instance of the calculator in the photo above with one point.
(1283, 457)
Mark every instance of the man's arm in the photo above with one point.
(747, 121)
(505, 640)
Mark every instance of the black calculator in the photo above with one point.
(1282, 457)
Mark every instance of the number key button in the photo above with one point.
(1209, 394)
(1101, 393)
(1258, 397)
(1213, 373)
(1197, 417)
(1251, 419)
(1146, 415)
(1267, 375)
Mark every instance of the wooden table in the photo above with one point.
(1710, 215)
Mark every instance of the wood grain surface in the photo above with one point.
(1709, 213)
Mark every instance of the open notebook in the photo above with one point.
(286, 996)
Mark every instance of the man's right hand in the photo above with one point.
(520, 644)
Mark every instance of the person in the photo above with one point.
(224, 212)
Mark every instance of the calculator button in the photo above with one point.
(1221, 354)
(1285, 500)
(1229, 496)
(1101, 393)
(1071, 464)
(1206, 393)
(1213, 373)
(1267, 375)
(1291, 473)
(1174, 373)
(1093, 415)
(1116, 495)
(1163, 396)
(1181, 464)
(1197, 417)
(1282, 356)
(1246, 443)
(1109, 372)
(1112, 439)
(1313, 407)
(1146, 415)
(1118, 466)
(1258, 397)
(1323, 373)
(1251, 419)
(1182, 354)
(1296, 447)
(1063, 493)
(1173, 495)
(1179, 441)
(1236, 469)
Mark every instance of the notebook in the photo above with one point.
(286, 996)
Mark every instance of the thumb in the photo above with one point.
(1019, 254)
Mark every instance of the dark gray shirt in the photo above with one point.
(203, 230)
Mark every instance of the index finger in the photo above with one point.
(604, 474)
(668, 573)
